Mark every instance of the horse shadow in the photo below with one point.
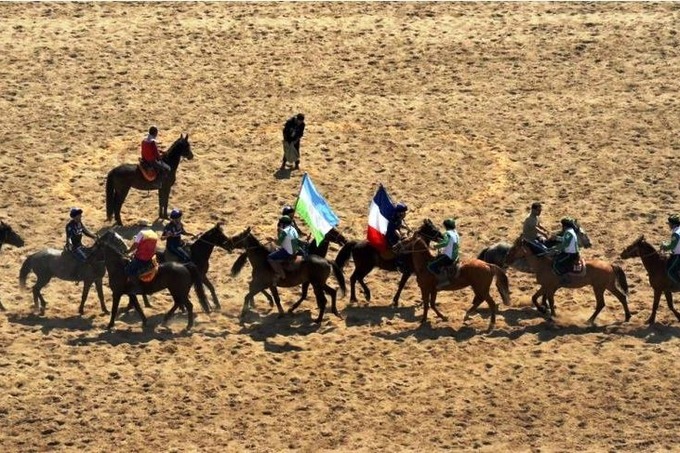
(283, 173)
(369, 315)
(262, 328)
(77, 323)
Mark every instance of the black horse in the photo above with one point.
(50, 263)
(366, 257)
(312, 249)
(175, 277)
(126, 176)
(9, 236)
(313, 269)
(200, 251)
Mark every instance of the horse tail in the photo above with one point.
(621, 278)
(482, 254)
(110, 195)
(339, 276)
(502, 284)
(344, 254)
(197, 280)
(26, 268)
(238, 264)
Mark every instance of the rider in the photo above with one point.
(393, 231)
(289, 211)
(172, 233)
(532, 230)
(74, 235)
(289, 246)
(150, 154)
(449, 255)
(673, 263)
(567, 249)
(144, 249)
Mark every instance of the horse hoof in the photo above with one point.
(650, 321)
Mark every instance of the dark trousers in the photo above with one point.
(564, 262)
(178, 251)
(672, 268)
(438, 263)
(136, 267)
(295, 144)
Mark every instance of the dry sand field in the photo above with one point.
(466, 110)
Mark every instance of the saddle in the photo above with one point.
(148, 172)
(450, 272)
(168, 253)
(147, 275)
(578, 269)
(294, 264)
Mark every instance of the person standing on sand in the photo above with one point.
(293, 131)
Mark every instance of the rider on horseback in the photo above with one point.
(532, 230)
(289, 242)
(144, 249)
(567, 250)
(393, 231)
(449, 255)
(74, 235)
(150, 154)
(673, 263)
(172, 233)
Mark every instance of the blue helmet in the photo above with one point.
(401, 207)
(75, 212)
(175, 214)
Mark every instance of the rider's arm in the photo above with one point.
(672, 244)
(443, 243)
(88, 233)
(564, 242)
(281, 238)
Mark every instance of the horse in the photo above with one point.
(313, 269)
(53, 263)
(474, 273)
(200, 251)
(175, 277)
(655, 264)
(126, 176)
(321, 250)
(598, 274)
(9, 236)
(366, 257)
(498, 252)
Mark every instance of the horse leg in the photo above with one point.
(163, 199)
(433, 305)
(211, 288)
(100, 294)
(623, 299)
(320, 302)
(333, 293)
(476, 302)
(268, 296)
(599, 297)
(86, 290)
(277, 300)
(168, 315)
(358, 275)
(114, 309)
(426, 304)
(147, 304)
(492, 307)
(190, 313)
(2, 307)
(37, 296)
(121, 195)
(402, 283)
(303, 296)
(253, 289)
(655, 305)
(534, 300)
(669, 301)
(135, 303)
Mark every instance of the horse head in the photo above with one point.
(239, 241)
(429, 231)
(112, 240)
(9, 236)
(518, 250)
(215, 236)
(582, 236)
(180, 148)
(334, 235)
(635, 249)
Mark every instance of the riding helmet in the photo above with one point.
(75, 212)
(401, 207)
(674, 219)
(285, 220)
(175, 214)
(287, 210)
(567, 221)
(450, 223)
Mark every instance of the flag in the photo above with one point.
(381, 210)
(314, 210)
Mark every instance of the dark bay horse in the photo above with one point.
(474, 273)
(121, 179)
(366, 257)
(175, 277)
(599, 274)
(655, 264)
(9, 236)
(313, 269)
(52, 263)
(498, 252)
(200, 251)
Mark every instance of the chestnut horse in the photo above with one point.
(474, 272)
(599, 274)
(655, 264)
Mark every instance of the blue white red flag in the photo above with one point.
(382, 209)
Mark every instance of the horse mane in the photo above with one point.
(175, 147)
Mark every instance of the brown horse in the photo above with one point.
(474, 273)
(366, 257)
(599, 274)
(655, 264)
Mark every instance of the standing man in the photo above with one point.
(293, 131)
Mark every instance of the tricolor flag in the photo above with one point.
(382, 209)
(314, 210)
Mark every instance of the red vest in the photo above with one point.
(150, 151)
(146, 248)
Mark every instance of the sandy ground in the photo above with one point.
(472, 110)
